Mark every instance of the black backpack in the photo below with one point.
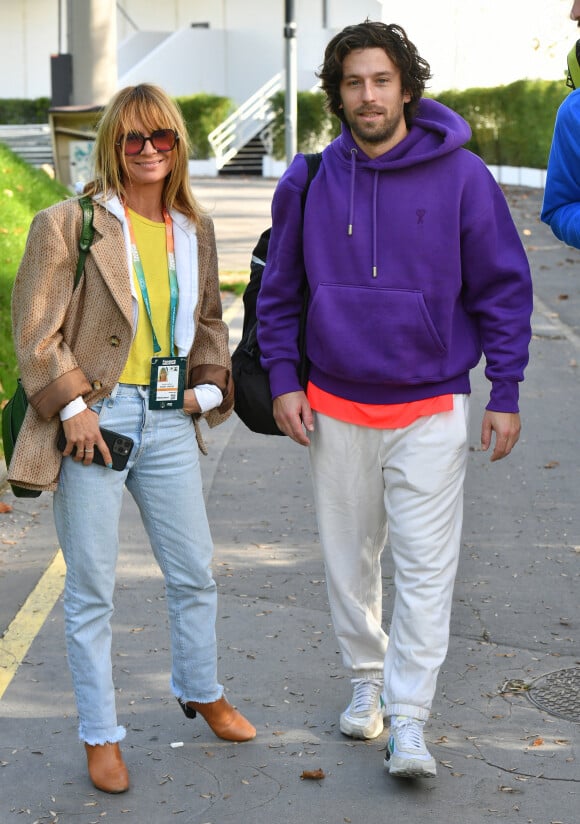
(253, 398)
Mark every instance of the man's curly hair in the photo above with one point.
(415, 72)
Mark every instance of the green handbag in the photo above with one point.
(15, 410)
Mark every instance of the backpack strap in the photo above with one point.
(86, 236)
(313, 162)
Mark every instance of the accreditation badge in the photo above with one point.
(167, 383)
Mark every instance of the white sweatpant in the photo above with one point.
(410, 479)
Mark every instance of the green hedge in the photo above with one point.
(201, 112)
(315, 127)
(512, 125)
(14, 111)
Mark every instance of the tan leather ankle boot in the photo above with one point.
(107, 769)
(223, 719)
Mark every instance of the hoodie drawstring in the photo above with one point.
(350, 227)
(374, 228)
(353, 154)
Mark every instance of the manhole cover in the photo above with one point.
(558, 693)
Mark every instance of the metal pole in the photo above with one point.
(291, 106)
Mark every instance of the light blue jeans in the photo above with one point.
(163, 475)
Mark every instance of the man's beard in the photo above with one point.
(370, 135)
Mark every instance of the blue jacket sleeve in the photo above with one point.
(561, 207)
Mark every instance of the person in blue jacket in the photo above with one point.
(561, 205)
(415, 269)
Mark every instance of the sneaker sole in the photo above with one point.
(410, 767)
(364, 733)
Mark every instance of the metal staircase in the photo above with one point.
(31, 142)
(240, 142)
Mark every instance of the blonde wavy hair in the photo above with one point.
(152, 107)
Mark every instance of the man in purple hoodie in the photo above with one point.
(415, 270)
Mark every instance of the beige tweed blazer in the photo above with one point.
(70, 343)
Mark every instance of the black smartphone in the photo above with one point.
(120, 447)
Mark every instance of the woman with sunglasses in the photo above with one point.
(139, 348)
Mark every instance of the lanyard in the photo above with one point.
(173, 287)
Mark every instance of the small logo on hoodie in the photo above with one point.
(420, 215)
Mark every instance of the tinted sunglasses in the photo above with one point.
(162, 140)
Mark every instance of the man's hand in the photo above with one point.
(293, 415)
(506, 426)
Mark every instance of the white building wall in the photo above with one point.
(467, 42)
(137, 47)
(28, 36)
(243, 48)
(186, 62)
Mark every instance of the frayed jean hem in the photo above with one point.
(201, 698)
(97, 740)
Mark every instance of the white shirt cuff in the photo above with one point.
(208, 396)
(73, 408)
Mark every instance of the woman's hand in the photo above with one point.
(82, 431)
(190, 404)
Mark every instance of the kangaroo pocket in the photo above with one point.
(373, 335)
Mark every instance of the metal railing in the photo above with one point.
(246, 122)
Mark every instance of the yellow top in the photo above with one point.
(151, 243)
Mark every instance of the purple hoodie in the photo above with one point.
(414, 265)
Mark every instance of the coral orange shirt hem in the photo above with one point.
(376, 416)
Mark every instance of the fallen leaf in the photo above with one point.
(537, 742)
(313, 775)
(5, 507)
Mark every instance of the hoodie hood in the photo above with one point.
(435, 132)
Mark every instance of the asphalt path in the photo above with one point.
(515, 619)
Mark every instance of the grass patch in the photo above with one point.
(235, 286)
(24, 190)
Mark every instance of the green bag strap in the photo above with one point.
(86, 236)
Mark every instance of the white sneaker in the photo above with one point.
(363, 718)
(407, 754)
